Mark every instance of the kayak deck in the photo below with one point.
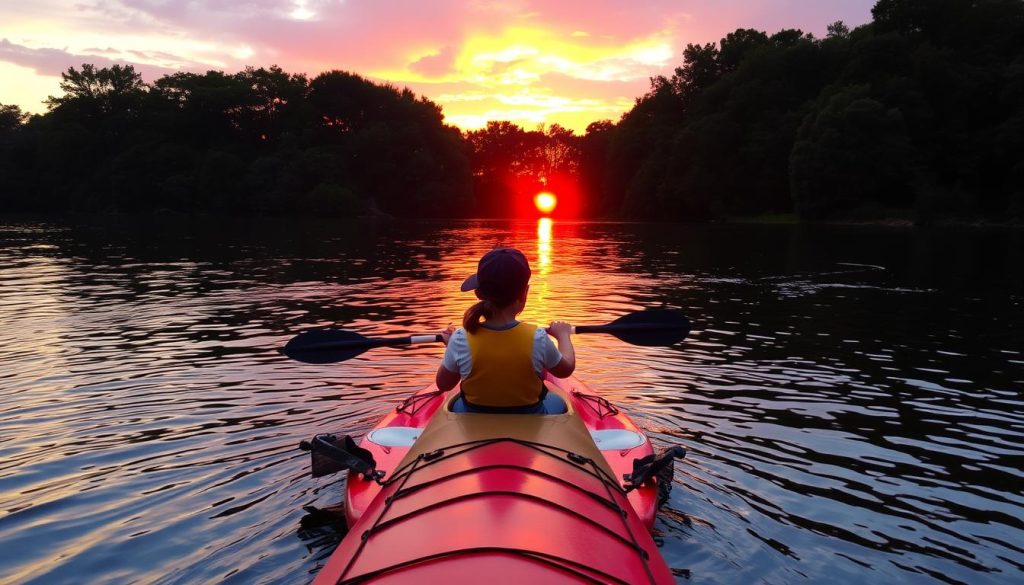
(618, 440)
(506, 498)
(504, 510)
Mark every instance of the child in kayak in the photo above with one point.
(499, 360)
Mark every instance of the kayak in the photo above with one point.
(435, 496)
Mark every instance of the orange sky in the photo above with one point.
(570, 62)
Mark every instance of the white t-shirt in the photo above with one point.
(457, 358)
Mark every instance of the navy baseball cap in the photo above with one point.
(502, 274)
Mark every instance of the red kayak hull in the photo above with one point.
(596, 413)
(522, 499)
(499, 510)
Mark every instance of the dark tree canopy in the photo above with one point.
(918, 115)
(257, 141)
(510, 165)
(96, 92)
(11, 118)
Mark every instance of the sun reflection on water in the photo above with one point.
(544, 245)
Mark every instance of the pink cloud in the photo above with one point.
(414, 40)
(56, 61)
(437, 65)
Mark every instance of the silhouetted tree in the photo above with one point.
(11, 117)
(934, 121)
(919, 113)
(850, 153)
(257, 141)
(594, 148)
(838, 30)
(117, 89)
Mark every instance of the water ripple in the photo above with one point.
(851, 406)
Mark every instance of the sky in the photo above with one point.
(567, 62)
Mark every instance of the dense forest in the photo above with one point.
(258, 141)
(917, 115)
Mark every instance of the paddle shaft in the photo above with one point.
(624, 327)
(370, 343)
(373, 342)
(656, 327)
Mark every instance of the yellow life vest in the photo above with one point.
(501, 367)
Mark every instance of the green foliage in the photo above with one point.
(11, 118)
(93, 92)
(332, 200)
(918, 114)
(257, 141)
(851, 152)
(838, 30)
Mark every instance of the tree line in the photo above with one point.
(258, 141)
(918, 114)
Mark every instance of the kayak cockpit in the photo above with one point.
(590, 429)
(564, 431)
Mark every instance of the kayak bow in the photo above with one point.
(436, 496)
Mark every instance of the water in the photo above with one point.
(851, 397)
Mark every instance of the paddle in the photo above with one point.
(648, 328)
(324, 346)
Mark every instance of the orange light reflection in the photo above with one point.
(544, 245)
(541, 287)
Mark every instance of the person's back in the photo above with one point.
(499, 360)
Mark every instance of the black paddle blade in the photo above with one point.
(326, 346)
(653, 327)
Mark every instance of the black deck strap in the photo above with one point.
(647, 467)
(376, 521)
(579, 571)
(527, 470)
(414, 403)
(402, 476)
(331, 454)
(644, 556)
(548, 450)
(603, 408)
(385, 524)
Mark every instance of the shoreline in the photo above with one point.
(383, 217)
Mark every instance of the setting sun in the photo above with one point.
(545, 202)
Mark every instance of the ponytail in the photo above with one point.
(486, 308)
(471, 319)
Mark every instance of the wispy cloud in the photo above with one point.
(55, 61)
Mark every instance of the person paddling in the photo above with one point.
(500, 360)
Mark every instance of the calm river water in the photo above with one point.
(852, 398)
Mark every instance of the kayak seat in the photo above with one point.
(550, 403)
(394, 436)
(609, 439)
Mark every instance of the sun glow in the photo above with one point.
(545, 202)
(301, 11)
(534, 73)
